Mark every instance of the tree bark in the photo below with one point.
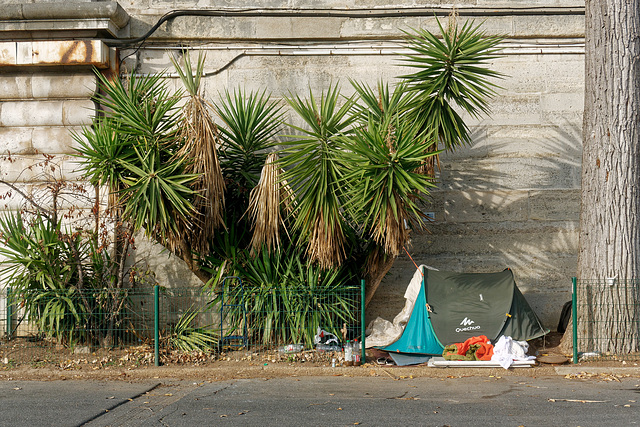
(375, 276)
(610, 213)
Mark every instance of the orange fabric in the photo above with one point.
(484, 352)
(464, 347)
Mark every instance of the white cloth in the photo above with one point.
(506, 350)
(383, 332)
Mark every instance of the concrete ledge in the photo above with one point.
(55, 53)
(63, 10)
(20, 20)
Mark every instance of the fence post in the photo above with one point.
(9, 313)
(156, 323)
(574, 318)
(363, 356)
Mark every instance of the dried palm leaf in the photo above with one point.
(390, 231)
(265, 207)
(200, 151)
(326, 243)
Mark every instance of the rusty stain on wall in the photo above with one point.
(7, 53)
(76, 51)
(55, 52)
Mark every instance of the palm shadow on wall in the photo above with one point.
(503, 203)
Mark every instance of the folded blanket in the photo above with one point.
(451, 353)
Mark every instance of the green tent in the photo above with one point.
(452, 307)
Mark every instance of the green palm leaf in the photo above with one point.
(451, 72)
(250, 123)
(156, 193)
(315, 170)
(384, 183)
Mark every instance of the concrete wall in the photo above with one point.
(510, 199)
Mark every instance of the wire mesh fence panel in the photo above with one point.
(51, 326)
(54, 326)
(57, 326)
(288, 318)
(608, 319)
(188, 319)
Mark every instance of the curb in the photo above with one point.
(597, 370)
(223, 372)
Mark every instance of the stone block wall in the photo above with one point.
(509, 199)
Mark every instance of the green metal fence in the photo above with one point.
(155, 323)
(608, 319)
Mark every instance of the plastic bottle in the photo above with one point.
(291, 348)
(348, 354)
(327, 347)
(356, 353)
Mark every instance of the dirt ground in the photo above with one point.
(25, 359)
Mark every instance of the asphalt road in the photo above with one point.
(63, 403)
(326, 401)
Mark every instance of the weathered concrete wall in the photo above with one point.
(510, 199)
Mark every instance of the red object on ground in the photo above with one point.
(483, 353)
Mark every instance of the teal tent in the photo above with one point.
(452, 307)
(418, 336)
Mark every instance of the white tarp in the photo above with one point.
(381, 331)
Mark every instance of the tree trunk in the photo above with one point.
(610, 214)
(376, 274)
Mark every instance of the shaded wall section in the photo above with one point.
(512, 198)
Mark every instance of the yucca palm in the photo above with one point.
(451, 72)
(132, 150)
(251, 121)
(384, 185)
(250, 124)
(394, 151)
(401, 128)
(315, 170)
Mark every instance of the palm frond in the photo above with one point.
(199, 151)
(156, 194)
(266, 204)
(315, 170)
(451, 72)
(384, 182)
(250, 124)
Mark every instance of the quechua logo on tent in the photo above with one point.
(467, 325)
